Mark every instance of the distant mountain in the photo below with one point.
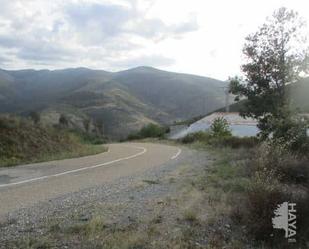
(299, 94)
(124, 101)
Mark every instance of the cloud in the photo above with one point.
(93, 18)
(153, 60)
(200, 36)
(4, 60)
(67, 33)
(100, 22)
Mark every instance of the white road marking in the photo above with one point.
(177, 154)
(77, 170)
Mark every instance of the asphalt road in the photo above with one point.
(25, 185)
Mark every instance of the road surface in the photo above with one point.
(26, 185)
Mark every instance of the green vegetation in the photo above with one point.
(277, 170)
(208, 139)
(123, 100)
(275, 57)
(149, 131)
(230, 202)
(299, 93)
(244, 185)
(219, 133)
(22, 141)
(220, 128)
(249, 179)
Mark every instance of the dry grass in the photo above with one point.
(23, 142)
(227, 204)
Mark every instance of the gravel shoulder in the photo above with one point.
(144, 195)
(33, 183)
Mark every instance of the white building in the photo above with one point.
(239, 126)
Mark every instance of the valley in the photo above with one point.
(123, 101)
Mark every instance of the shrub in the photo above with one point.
(275, 177)
(199, 136)
(295, 170)
(263, 196)
(289, 167)
(218, 141)
(189, 138)
(150, 130)
(256, 211)
(236, 142)
(220, 128)
(89, 138)
(291, 133)
(134, 136)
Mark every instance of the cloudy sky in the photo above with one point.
(202, 37)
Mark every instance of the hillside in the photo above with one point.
(22, 142)
(299, 93)
(123, 101)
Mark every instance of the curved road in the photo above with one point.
(26, 185)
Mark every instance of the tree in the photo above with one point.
(220, 128)
(276, 55)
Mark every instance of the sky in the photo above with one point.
(203, 37)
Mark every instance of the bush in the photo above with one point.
(218, 141)
(236, 142)
(276, 176)
(88, 138)
(262, 197)
(188, 139)
(199, 136)
(295, 170)
(149, 131)
(291, 133)
(289, 167)
(256, 211)
(134, 136)
(152, 130)
(220, 128)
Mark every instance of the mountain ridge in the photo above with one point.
(124, 100)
